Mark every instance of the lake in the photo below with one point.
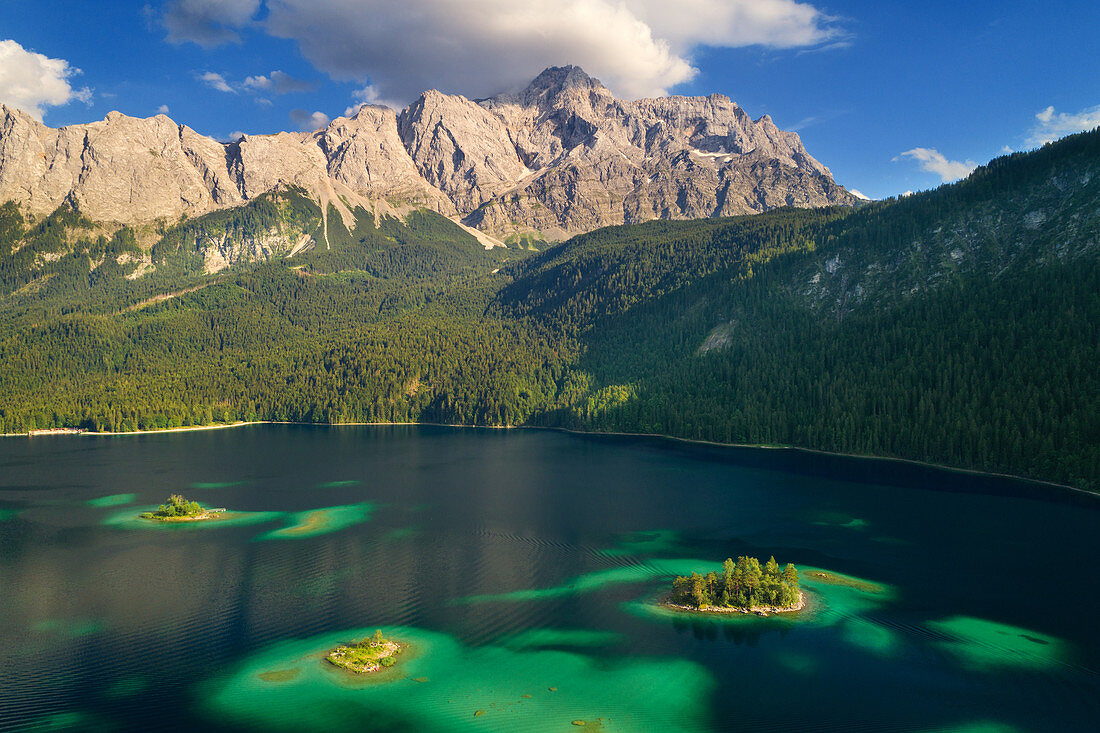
(522, 566)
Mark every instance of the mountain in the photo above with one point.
(959, 326)
(564, 156)
(561, 157)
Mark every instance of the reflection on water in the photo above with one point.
(524, 567)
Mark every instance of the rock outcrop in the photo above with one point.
(365, 153)
(119, 169)
(601, 161)
(559, 158)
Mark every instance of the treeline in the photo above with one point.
(227, 356)
(960, 326)
(611, 270)
(744, 584)
(900, 331)
(175, 507)
(376, 323)
(995, 375)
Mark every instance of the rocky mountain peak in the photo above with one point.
(557, 82)
(561, 157)
(373, 112)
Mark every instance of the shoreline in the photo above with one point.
(595, 433)
(753, 610)
(389, 648)
(204, 517)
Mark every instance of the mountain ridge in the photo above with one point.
(561, 157)
(957, 326)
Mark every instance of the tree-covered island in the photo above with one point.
(179, 509)
(366, 656)
(743, 586)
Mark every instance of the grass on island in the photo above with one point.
(178, 509)
(743, 586)
(367, 656)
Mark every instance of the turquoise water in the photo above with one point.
(523, 569)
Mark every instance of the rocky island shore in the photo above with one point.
(741, 587)
(758, 610)
(367, 656)
(179, 509)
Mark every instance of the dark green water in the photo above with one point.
(521, 566)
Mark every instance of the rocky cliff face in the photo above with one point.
(119, 169)
(597, 160)
(562, 157)
(365, 153)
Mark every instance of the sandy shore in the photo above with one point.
(188, 429)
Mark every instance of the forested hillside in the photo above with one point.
(960, 326)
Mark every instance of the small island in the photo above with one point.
(367, 656)
(741, 587)
(178, 509)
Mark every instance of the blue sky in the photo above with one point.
(892, 96)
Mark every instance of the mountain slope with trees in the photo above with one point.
(959, 326)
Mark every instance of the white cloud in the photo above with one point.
(162, 110)
(307, 122)
(776, 23)
(481, 47)
(859, 194)
(933, 161)
(1052, 125)
(369, 95)
(32, 81)
(258, 83)
(278, 82)
(366, 95)
(208, 23)
(216, 81)
(803, 123)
